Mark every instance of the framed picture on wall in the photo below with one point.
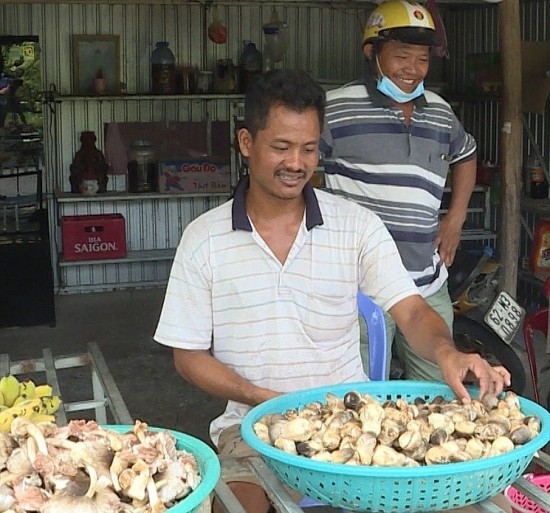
(96, 64)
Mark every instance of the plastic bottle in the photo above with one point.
(250, 64)
(275, 41)
(163, 70)
(536, 181)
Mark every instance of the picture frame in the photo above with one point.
(96, 64)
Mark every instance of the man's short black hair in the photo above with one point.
(293, 89)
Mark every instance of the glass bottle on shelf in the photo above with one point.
(536, 183)
(250, 64)
(163, 69)
(142, 167)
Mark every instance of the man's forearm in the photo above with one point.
(433, 339)
(213, 377)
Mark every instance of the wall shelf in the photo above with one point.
(152, 255)
(477, 234)
(154, 224)
(154, 221)
(540, 207)
(74, 197)
(140, 97)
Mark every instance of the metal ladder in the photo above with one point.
(105, 392)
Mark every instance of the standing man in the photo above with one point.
(5, 85)
(262, 296)
(389, 145)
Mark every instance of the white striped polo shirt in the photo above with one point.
(284, 326)
(397, 171)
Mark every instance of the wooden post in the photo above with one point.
(510, 144)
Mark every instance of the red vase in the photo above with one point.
(99, 85)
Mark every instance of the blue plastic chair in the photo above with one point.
(376, 327)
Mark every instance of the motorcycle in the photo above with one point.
(485, 321)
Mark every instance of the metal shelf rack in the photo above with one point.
(105, 391)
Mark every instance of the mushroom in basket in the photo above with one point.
(86, 468)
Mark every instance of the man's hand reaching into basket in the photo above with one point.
(457, 368)
(429, 336)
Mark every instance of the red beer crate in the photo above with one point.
(93, 237)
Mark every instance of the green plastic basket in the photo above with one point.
(392, 489)
(207, 460)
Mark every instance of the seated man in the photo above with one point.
(262, 295)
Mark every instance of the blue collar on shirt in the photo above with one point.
(241, 221)
(381, 100)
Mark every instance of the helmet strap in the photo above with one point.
(371, 62)
(380, 73)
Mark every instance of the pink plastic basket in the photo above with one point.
(522, 504)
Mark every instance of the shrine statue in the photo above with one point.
(88, 164)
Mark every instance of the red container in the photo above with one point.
(485, 173)
(521, 503)
(93, 237)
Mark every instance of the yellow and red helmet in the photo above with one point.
(400, 20)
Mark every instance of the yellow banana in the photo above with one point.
(41, 417)
(23, 409)
(43, 390)
(9, 386)
(21, 399)
(27, 389)
(2, 399)
(6, 418)
(49, 405)
(26, 408)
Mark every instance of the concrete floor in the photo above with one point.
(122, 323)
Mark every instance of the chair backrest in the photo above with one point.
(376, 327)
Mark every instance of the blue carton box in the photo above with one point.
(195, 176)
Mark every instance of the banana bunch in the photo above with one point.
(25, 399)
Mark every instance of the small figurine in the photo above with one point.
(88, 164)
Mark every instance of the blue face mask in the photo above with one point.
(387, 87)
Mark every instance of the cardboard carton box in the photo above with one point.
(195, 176)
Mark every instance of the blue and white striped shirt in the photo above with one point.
(399, 171)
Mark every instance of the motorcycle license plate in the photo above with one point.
(505, 316)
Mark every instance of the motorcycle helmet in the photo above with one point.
(400, 20)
